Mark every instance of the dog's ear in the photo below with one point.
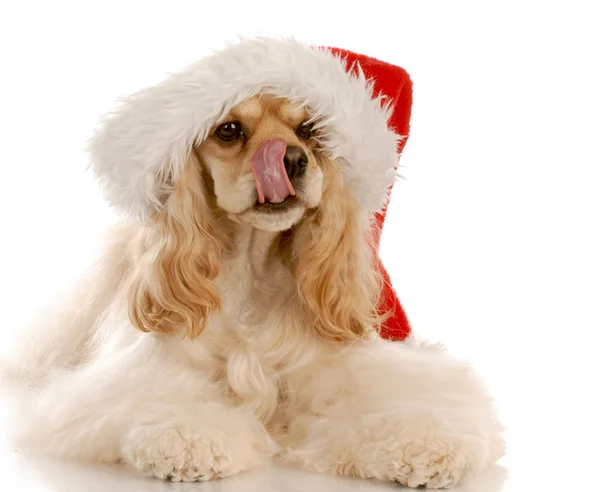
(336, 274)
(177, 259)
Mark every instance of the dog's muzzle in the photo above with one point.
(274, 164)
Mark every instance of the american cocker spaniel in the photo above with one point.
(234, 317)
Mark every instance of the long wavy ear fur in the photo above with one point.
(177, 259)
(336, 273)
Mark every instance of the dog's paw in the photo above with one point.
(413, 452)
(420, 451)
(181, 456)
(195, 452)
(433, 464)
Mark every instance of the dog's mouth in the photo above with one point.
(288, 203)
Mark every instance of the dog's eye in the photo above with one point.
(229, 131)
(305, 130)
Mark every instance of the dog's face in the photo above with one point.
(264, 163)
(262, 166)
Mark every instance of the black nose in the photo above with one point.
(295, 161)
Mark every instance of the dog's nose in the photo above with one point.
(296, 161)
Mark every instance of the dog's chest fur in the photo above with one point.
(259, 337)
(253, 282)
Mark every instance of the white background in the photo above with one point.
(492, 241)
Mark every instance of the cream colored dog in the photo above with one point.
(237, 323)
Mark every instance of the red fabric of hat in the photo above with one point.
(395, 83)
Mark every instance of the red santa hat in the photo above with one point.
(362, 103)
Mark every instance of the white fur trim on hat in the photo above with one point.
(149, 137)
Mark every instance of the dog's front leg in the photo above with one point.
(147, 406)
(395, 413)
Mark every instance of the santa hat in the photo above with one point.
(363, 104)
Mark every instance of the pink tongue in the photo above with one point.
(272, 182)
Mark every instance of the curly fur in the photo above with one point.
(176, 263)
(335, 273)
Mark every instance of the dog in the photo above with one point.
(237, 325)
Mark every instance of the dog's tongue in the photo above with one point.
(272, 182)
